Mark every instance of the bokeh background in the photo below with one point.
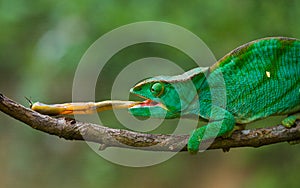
(41, 44)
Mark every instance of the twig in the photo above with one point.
(70, 129)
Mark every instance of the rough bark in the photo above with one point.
(71, 129)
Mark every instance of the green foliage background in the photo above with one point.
(41, 44)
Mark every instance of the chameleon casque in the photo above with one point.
(261, 78)
(254, 81)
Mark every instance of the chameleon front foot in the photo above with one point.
(211, 130)
(193, 143)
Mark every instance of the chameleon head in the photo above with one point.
(169, 96)
(162, 100)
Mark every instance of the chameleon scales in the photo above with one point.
(259, 79)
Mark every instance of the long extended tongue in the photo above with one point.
(81, 107)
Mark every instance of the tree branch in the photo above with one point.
(71, 129)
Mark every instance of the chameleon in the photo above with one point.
(254, 81)
(260, 79)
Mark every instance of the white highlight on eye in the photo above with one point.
(268, 74)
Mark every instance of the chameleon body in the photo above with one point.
(259, 79)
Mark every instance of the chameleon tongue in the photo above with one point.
(81, 107)
(149, 102)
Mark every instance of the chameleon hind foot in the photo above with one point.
(290, 120)
(194, 141)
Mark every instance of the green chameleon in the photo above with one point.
(254, 81)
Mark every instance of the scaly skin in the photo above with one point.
(262, 78)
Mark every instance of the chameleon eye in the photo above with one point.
(157, 89)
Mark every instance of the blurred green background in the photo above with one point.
(41, 44)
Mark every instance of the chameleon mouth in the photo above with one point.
(149, 103)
